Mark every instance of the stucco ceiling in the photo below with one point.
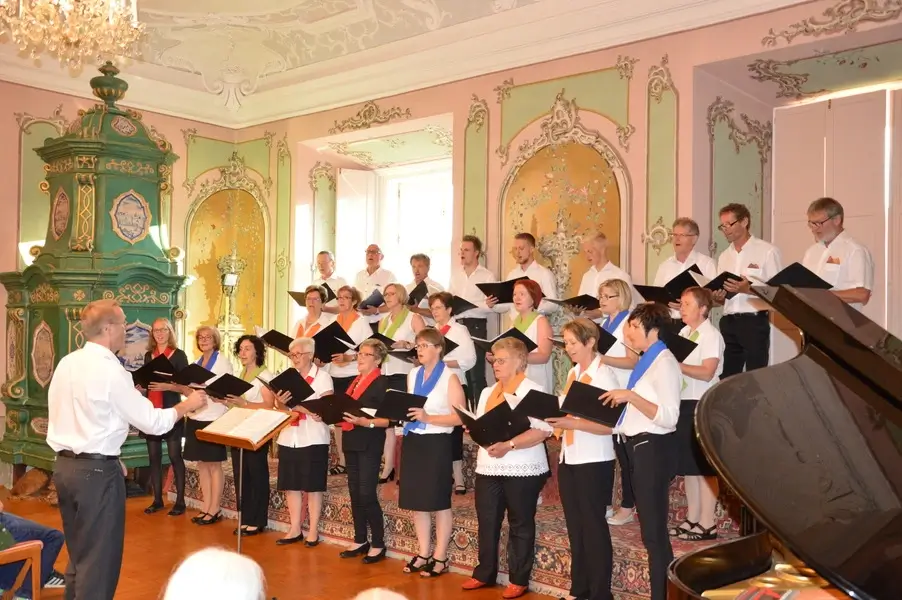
(239, 62)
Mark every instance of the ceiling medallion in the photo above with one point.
(73, 32)
(370, 114)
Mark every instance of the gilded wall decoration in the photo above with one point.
(59, 214)
(755, 132)
(59, 166)
(268, 137)
(137, 293)
(189, 135)
(503, 91)
(503, 153)
(234, 176)
(79, 295)
(659, 80)
(12, 421)
(86, 162)
(42, 354)
(282, 263)
(25, 120)
(442, 137)
(624, 133)
(658, 236)
(82, 237)
(843, 17)
(15, 353)
(322, 170)
(15, 297)
(44, 293)
(625, 66)
(364, 158)
(76, 335)
(789, 84)
(479, 112)
(131, 167)
(370, 114)
(123, 126)
(282, 150)
(39, 425)
(131, 217)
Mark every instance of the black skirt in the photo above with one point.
(303, 469)
(426, 469)
(198, 450)
(176, 433)
(690, 458)
(457, 443)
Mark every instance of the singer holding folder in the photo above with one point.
(527, 296)
(304, 449)
(509, 478)
(586, 472)
(426, 453)
(316, 318)
(652, 396)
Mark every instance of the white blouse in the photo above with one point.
(437, 402)
(659, 385)
(465, 353)
(309, 432)
(523, 462)
(360, 330)
(404, 333)
(301, 326)
(255, 394)
(710, 345)
(214, 410)
(542, 374)
(590, 447)
(619, 350)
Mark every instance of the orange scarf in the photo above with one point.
(568, 433)
(497, 395)
(156, 398)
(347, 319)
(307, 332)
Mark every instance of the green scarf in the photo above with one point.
(522, 323)
(250, 376)
(692, 337)
(389, 327)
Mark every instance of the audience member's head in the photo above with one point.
(379, 594)
(216, 573)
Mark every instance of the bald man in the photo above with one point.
(92, 401)
(600, 270)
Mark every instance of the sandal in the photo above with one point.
(705, 534)
(338, 470)
(460, 490)
(430, 571)
(412, 566)
(684, 527)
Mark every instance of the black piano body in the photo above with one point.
(813, 449)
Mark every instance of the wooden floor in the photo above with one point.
(154, 545)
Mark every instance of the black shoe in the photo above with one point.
(291, 540)
(197, 518)
(371, 560)
(358, 551)
(312, 544)
(155, 507)
(210, 519)
(389, 477)
(460, 490)
(177, 510)
(253, 532)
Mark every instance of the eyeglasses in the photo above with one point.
(502, 361)
(817, 224)
(344, 297)
(683, 235)
(604, 297)
(725, 226)
(298, 354)
(370, 354)
(205, 338)
(425, 345)
(374, 251)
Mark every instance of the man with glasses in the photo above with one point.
(836, 257)
(372, 278)
(745, 325)
(601, 269)
(683, 239)
(325, 264)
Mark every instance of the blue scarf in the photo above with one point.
(644, 362)
(610, 325)
(211, 362)
(423, 387)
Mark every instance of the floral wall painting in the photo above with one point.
(42, 354)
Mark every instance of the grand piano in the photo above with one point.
(813, 449)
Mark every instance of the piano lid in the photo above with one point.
(813, 446)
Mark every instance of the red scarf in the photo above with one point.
(156, 398)
(444, 329)
(357, 388)
(302, 416)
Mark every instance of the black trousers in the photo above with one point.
(517, 496)
(626, 480)
(155, 456)
(746, 338)
(363, 480)
(475, 377)
(591, 553)
(651, 461)
(253, 481)
(92, 505)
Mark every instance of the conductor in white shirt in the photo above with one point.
(92, 401)
(837, 258)
(524, 252)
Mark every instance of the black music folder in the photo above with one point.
(672, 290)
(679, 346)
(497, 425)
(658, 295)
(397, 404)
(290, 380)
(799, 276)
(606, 340)
(486, 345)
(330, 340)
(417, 294)
(503, 290)
(539, 405)
(460, 306)
(374, 300)
(581, 302)
(411, 355)
(332, 408)
(716, 284)
(193, 375)
(299, 297)
(277, 340)
(227, 385)
(330, 293)
(382, 338)
(582, 400)
(158, 370)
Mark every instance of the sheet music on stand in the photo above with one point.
(245, 429)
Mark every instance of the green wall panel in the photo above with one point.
(322, 181)
(283, 235)
(661, 193)
(34, 205)
(736, 177)
(476, 169)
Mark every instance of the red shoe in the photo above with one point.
(473, 584)
(514, 591)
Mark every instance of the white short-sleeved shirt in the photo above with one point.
(309, 432)
(404, 333)
(590, 447)
(845, 264)
(758, 261)
(464, 286)
(359, 331)
(541, 373)
(619, 350)
(671, 267)
(437, 401)
(214, 410)
(594, 277)
(710, 345)
(660, 385)
(465, 353)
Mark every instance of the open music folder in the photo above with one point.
(397, 404)
(503, 290)
(486, 345)
(158, 370)
(245, 428)
(582, 400)
(497, 425)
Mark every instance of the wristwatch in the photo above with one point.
(513, 445)
(372, 425)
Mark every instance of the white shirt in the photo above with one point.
(545, 278)
(594, 277)
(464, 286)
(92, 400)
(540, 373)
(432, 287)
(590, 447)
(659, 385)
(523, 462)
(465, 353)
(437, 402)
(845, 264)
(334, 284)
(214, 410)
(255, 394)
(619, 350)
(359, 331)
(300, 328)
(710, 345)
(366, 284)
(758, 261)
(672, 267)
(309, 432)
(404, 333)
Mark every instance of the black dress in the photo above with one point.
(170, 399)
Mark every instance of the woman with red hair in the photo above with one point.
(527, 296)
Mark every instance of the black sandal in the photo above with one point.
(429, 570)
(412, 567)
(684, 527)
(338, 470)
(698, 536)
